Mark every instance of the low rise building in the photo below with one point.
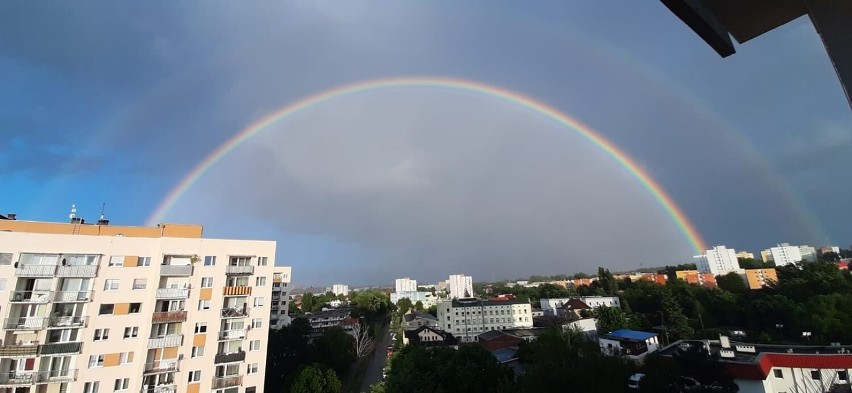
(427, 298)
(697, 278)
(427, 336)
(415, 319)
(551, 305)
(467, 318)
(631, 344)
(759, 278)
(758, 368)
(324, 320)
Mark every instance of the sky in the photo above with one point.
(116, 102)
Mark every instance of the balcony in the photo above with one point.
(172, 293)
(236, 291)
(227, 382)
(167, 388)
(35, 270)
(31, 323)
(233, 357)
(69, 321)
(77, 271)
(239, 270)
(233, 312)
(17, 378)
(162, 366)
(171, 340)
(236, 334)
(175, 270)
(72, 296)
(19, 350)
(31, 296)
(57, 376)
(60, 348)
(168, 316)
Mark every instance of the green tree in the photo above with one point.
(614, 318)
(830, 256)
(732, 282)
(674, 317)
(607, 281)
(335, 349)
(308, 302)
(404, 305)
(468, 369)
(288, 350)
(433, 310)
(418, 306)
(316, 379)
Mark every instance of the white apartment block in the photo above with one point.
(100, 308)
(279, 304)
(808, 253)
(468, 318)
(719, 260)
(427, 298)
(549, 306)
(460, 286)
(405, 285)
(340, 289)
(785, 254)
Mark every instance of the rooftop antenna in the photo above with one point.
(102, 220)
(103, 206)
(73, 214)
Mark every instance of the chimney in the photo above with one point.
(12, 216)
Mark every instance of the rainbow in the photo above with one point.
(663, 199)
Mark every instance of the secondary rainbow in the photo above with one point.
(663, 199)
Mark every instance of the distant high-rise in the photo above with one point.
(340, 289)
(785, 254)
(718, 260)
(745, 254)
(460, 286)
(406, 285)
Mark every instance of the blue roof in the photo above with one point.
(505, 354)
(632, 334)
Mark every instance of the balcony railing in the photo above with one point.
(238, 356)
(237, 270)
(168, 388)
(17, 378)
(72, 296)
(60, 348)
(56, 376)
(162, 366)
(30, 323)
(35, 270)
(31, 296)
(236, 291)
(241, 312)
(168, 316)
(77, 271)
(175, 270)
(172, 293)
(227, 382)
(69, 321)
(172, 340)
(19, 350)
(236, 334)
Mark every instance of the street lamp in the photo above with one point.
(808, 335)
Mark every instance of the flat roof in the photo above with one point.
(630, 334)
(86, 229)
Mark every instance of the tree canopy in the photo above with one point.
(316, 379)
(443, 370)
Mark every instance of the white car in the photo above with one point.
(633, 381)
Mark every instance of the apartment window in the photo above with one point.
(200, 327)
(121, 384)
(106, 309)
(101, 334)
(131, 332)
(91, 387)
(206, 282)
(252, 368)
(260, 281)
(258, 302)
(2, 284)
(815, 375)
(140, 283)
(209, 260)
(254, 345)
(5, 258)
(124, 358)
(197, 352)
(116, 261)
(257, 323)
(203, 304)
(144, 262)
(194, 376)
(261, 261)
(135, 308)
(111, 285)
(842, 375)
(96, 361)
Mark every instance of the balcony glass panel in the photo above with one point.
(31, 296)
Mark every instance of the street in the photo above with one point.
(373, 373)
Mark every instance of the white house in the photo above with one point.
(632, 344)
(549, 306)
(468, 318)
